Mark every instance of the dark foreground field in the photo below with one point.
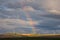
(30, 38)
(13, 36)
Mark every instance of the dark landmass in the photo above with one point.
(14, 36)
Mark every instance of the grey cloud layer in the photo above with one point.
(44, 3)
(14, 10)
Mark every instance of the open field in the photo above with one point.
(10, 36)
(30, 38)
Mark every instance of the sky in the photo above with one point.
(30, 16)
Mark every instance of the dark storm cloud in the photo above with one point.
(39, 4)
(49, 24)
(52, 16)
(19, 4)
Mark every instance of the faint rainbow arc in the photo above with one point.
(31, 22)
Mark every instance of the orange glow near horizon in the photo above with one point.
(27, 34)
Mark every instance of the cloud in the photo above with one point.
(9, 9)
(14, 23)
(56, 12)
(28, 8)
(49, 24)
(20, 3)
(39, 4)
(19, 15)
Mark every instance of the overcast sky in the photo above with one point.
(30, 16)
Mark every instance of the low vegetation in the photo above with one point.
(18, 36)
